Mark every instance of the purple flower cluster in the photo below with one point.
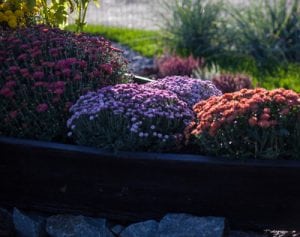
(153, 115)
(187, 89)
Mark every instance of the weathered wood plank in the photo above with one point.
(135, 186)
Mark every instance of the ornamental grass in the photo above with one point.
(251, 123)
(43, 71)
(130, 117)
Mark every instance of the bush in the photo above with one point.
(231, 83)
(43, 71)
(268, 33)
(177, 66)
(20, 13)
(129, 117)
(187, 89)
(248, 124)
(16, 13)
(195, 27)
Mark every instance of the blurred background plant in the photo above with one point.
(20, 13)
(81, 7)
(173, 65)
(259, 38)
(264, 36)
(16, 13)
(195, 28)
(232, 82)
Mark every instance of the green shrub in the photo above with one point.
(266, 33)
(195, 27)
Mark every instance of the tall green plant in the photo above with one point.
(81, 10)
(55, 12)
(267, 33)
(195, 27)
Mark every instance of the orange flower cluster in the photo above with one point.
(258, 107)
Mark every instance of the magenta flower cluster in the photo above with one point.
(189, 90)
(43, 71)
(170, 65)
(154, 117)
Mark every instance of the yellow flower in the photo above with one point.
(8, 12)
(12, 18)
(19, 13)
(24, 8)
(3, 18)
(12, 24)
(4, 6)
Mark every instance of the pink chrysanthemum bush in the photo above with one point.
(173, 65)
(251, 123)
(44, 71)
(188, 89)
(231, 82)
(129, 117)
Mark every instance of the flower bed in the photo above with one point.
(54, 84)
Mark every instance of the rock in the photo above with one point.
(28, 225)
(236, 233)
(6, 223)
(77, 226)
(137, 63)
(282, 233)
(141, 229)
(117, 229)
(184, 225)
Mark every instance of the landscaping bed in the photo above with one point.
(134, 186)
(78, 136)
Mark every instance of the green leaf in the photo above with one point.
(30, 3)
(97, 3)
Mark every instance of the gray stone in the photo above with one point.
(117, 229)
(236, 233)
(77, 226)
(28, 225)
(6, 223)
(183, 225)
(141, 229)
(137, 63)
